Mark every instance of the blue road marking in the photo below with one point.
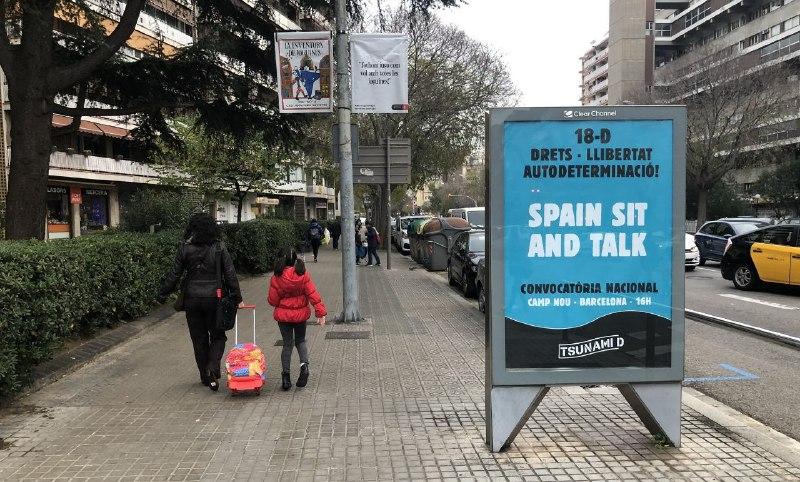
(741, 375)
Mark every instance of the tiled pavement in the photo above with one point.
(406, 404)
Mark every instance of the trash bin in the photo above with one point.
(438, 236)
(415, 238)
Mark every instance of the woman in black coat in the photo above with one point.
(197, 258)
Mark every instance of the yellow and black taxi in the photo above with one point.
(770, 255)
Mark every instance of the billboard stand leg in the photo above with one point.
(658, 405)
(511, 407)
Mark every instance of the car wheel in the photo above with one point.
(690, 268)
(745, 277)
(450, 278)
(481, 299)
(467, 286)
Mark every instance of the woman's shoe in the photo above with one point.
(287, 382)
(302, 380)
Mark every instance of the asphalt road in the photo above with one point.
(772, 307)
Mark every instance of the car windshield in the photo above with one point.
(477, 242)
(742, 228)
(477, 218)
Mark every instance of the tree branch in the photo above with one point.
(64, 77)
(76, 119)
(121, 111)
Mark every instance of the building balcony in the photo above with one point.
(602, 100)
(596, 73)
(97, 168)
(599, 87)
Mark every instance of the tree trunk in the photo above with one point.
(702, 206)
(239, 205)
(31, 120)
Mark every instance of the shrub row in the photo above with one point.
(254, 245)
(56, 290)
(50, 291)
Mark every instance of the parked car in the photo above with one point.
(713, 235)
(480, 285)
(400, 232)
(771, 255)
(475, 216)
(462, 266)
(692, 253)
(749, 219)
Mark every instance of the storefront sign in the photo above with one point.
(322, 205)
(380, 72)
(56, 190)
(95, 192)
(304, 71)
(268, 201)
(586, 258)
(75, 195)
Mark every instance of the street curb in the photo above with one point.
(738, 325)
(77, 357)
(765, 437)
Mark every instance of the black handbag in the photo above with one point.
(226, 306)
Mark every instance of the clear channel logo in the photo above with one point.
(590, 347)
(581, 114)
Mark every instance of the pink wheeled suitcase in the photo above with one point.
(245, 364)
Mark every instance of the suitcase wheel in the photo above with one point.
(257, 391)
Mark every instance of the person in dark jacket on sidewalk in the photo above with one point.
(291, 290)
(315, 234)
(196, 261)
(372, 244)
(336, 231)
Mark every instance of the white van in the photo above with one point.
(475, 216)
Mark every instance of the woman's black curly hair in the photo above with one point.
(202, 229)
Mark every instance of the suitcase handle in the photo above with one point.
(243, 306)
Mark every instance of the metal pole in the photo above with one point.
(350, 311)
(388, 202)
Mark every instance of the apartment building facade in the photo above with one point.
(594, 74)
(652, 44)
(97, 165)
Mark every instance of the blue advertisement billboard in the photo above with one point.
(584, 208)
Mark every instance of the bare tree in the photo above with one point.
(732, 110)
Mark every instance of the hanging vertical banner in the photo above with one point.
(304, 71)
(380, 73)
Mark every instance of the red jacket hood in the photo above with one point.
(291, 293)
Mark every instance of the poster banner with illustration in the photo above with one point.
(380, 73)
(588, 243)
(304, 62)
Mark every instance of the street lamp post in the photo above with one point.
(350, 312)
(474, 202)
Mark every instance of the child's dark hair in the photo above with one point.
(289, 258)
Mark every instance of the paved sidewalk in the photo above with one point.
(404, 403)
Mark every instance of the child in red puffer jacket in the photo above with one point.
(291, 290)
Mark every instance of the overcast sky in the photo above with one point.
(541, 41)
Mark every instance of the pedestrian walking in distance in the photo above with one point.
(315, 234)
(291, 291)
(373, 242)
(196, 261)
(336, 231)
(361, 251)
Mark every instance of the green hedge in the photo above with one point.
(55, 290)
(253, 245)
(50, 291)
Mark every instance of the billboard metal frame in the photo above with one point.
(512, 394)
